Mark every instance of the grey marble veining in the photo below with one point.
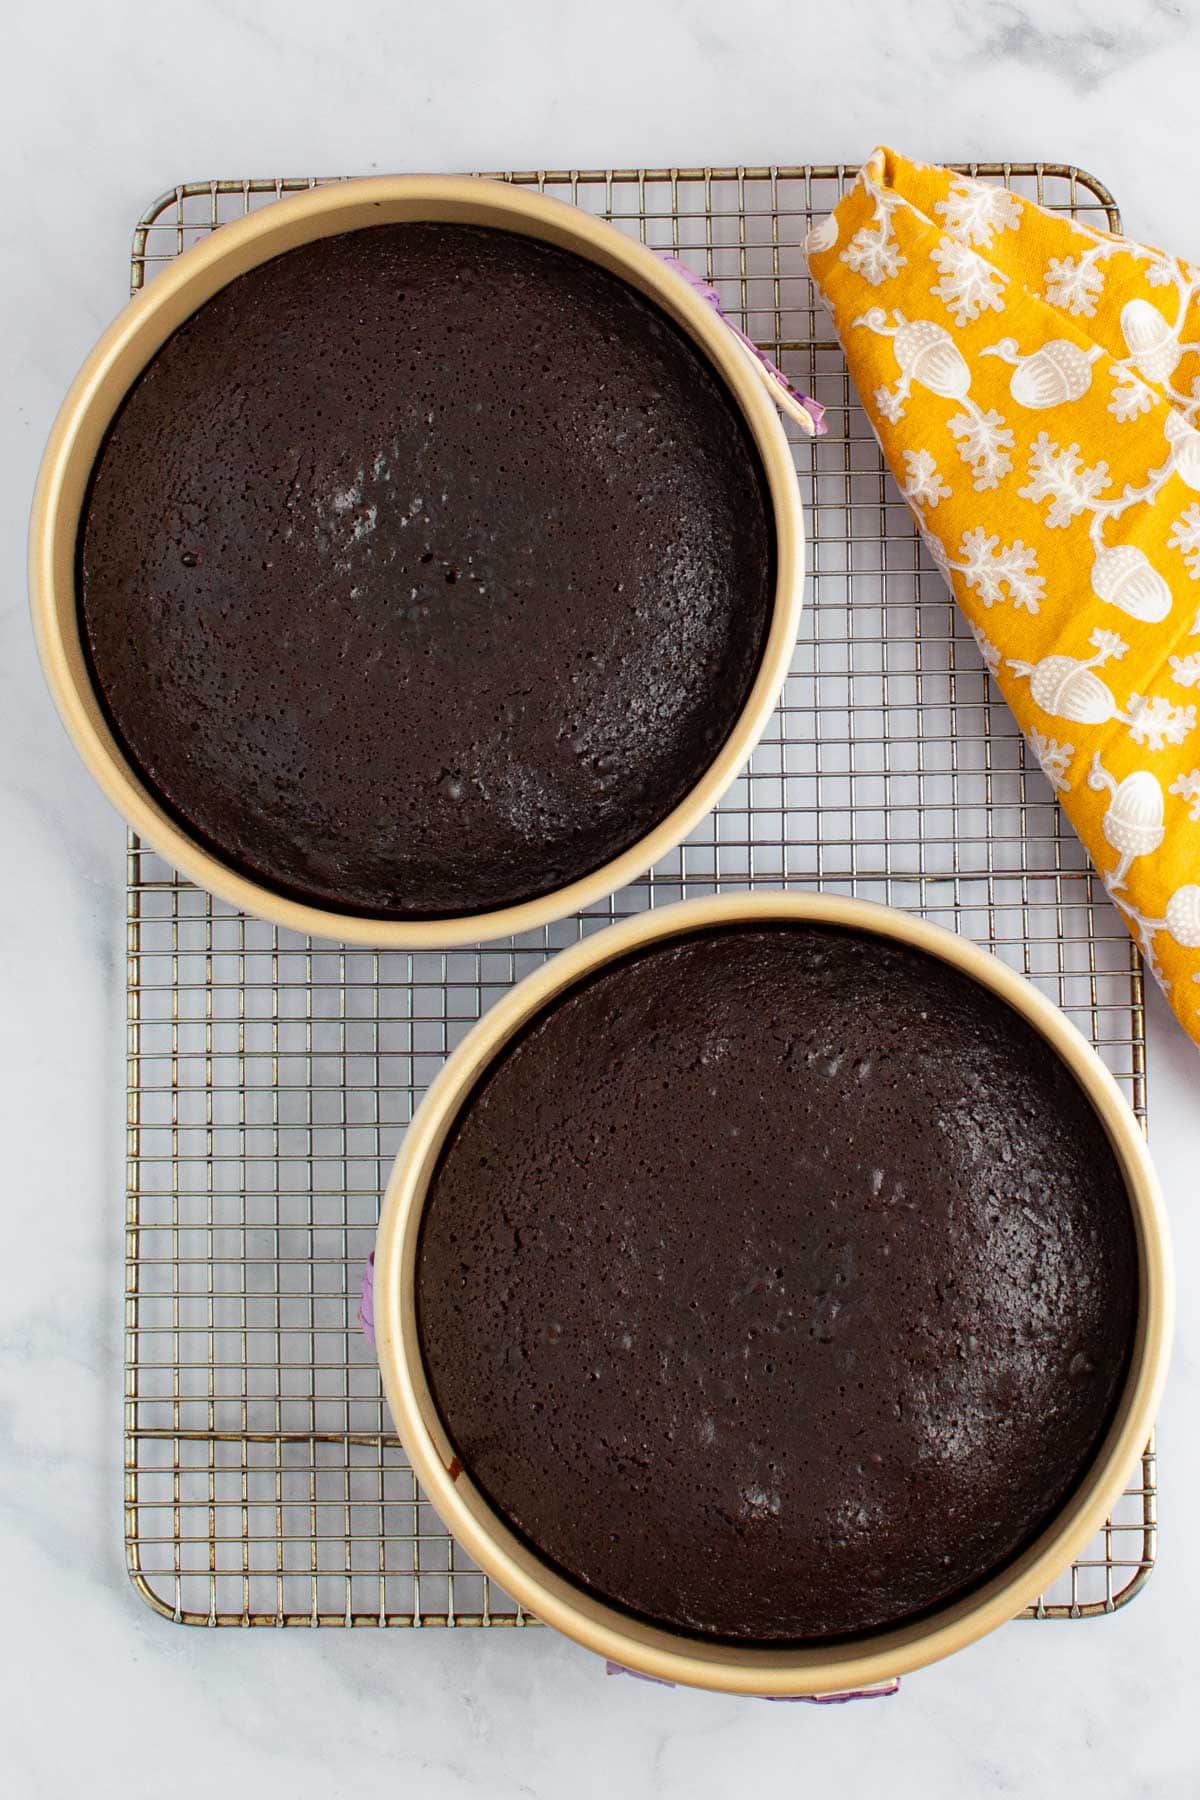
(100, 109)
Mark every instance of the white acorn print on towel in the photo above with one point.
(1155, 343)
(1134, 826)
(1068, 687)
(1054, 375)
(1154, 349)
(927, 354)
(1121, 574)
(1180, 920)
(1182, 917)
(1055, 758)
(1133, 819)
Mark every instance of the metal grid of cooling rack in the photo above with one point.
(271, 1077)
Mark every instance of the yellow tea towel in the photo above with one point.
(1035, 385)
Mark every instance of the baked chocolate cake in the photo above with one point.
(777, 1284)
(425, 569)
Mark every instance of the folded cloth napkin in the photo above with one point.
(1035, 385)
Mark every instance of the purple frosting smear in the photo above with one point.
(810, 407)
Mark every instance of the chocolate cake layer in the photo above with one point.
(425, 569)
(778, 1283)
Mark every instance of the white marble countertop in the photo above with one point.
(100, 108)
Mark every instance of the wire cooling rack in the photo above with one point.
(271, 1077)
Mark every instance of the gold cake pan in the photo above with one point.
(140, 331)
(653, 1650)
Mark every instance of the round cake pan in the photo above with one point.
(141, 330)
(673, 1656)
